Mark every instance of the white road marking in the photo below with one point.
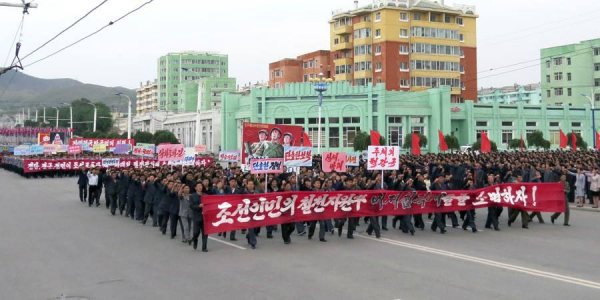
(567, 279)
(226, 243)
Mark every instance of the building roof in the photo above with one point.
(409, 4)
(509, 89)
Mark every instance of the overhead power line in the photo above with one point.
(91, 34)
(64, 30)
(14, 40)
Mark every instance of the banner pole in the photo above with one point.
(382, 179)
(266, 183)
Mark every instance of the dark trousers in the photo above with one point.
(83, 193)
(139, 209)
(106, 200)
(163, 220)
(112, 199)
(567, 212)
(149, 210)
(122, 201)
(313, 225)
(492, 218)
(251, 236)
(384, 222)
(131, 205)
(197, 227)
(92, 195)
(405, 224)
(173, 223)
(453, 218)
(374, 226)
(419, 223)
(469, 220)
(300, 227)
(98, 194)
(538, 215)
(351, 225)
(270, 230)
(439, 220)
(286, 232)
(524, 217)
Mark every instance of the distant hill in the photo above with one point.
(27, 91)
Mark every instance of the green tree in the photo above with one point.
(516, 144)
(113, 135)
(164, 136)
(362, 141)
(83, 116)
(477, 146)
(452, 142)
(142, 137)
(580, 143)
(536, 139)
(408, 141)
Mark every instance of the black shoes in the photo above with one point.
(322, 240)
(195, 244)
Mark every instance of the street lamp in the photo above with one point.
(128, 114)
(71, 119)
(593, 113)
(95, 113)
(321, 84)
(198, 108)
(56, 116)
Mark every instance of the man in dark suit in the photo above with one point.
(233, 189)
(82, 183)
(124, 180)
(439, 220)
(112, 187)
(198, 218)
(349, 185)
(149, 199)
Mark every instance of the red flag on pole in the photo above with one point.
(563, 140)
(306, 140)
(597, 140)
(416, 147)
(486, 146)
(375, 137)
(443, 145)
(521, 143)
(573, 141)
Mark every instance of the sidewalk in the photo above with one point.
(586, 207)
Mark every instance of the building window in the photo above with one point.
(417, 17)
(558, 91)
(548, 93)
(351, 120)
(597, 67)
(378, 50)
(548, 78)
(528, 132)
(404, 83)
(395, 119)
(597, 97)
(259, 107)
(569, 92)
(333, 120)
(299, 121)
(403, 33)
(507, 123)
(596, 51)
(336, 41)
(481, 123)
(283, 120)
(315, 120)
(554, 137)
(362, 33)
(554, 124)
(403, 66)
(313, 134)
(277, 85)
(507, 135)
(417, 120)
(568, 61)
(403, 16)
(349, 135)
(461, 37)
(418, 129)
(575, 124)
(447, 19)
(334, 137)
(305, 78)
(367, 18)
(531, 124)
(558, 76)
(362, 49)
(377, 17)
(374, 106)
(459, 21)
(395, 136)
(378, 66)
(403, 49)
(479, 131)
(558, 61)
(278, 73)
(568, 76)
(377, 33)
(597, 82)
(547, 64)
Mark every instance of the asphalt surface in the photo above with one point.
(51, 244)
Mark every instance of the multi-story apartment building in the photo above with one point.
(300, 69)
(146, 97)
(175, 68)
(528, 94)
(410, 45)
(210, 93)
(571, 71)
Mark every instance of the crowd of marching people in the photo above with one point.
(170, 198)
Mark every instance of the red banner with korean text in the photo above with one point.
(110, 143)
(43, 165)
(236, 212)
(169, 152)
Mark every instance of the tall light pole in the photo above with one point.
(592, 102)
(95, 113)
(56, 116)
(321, 84)
(36, 114)
(198, 108)
(71, 112)
(128, 114)
(44, 113)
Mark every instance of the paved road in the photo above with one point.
(51, 244)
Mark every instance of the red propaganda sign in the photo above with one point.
(169, 152)
(383, 158)
(266, 165)
(268, 140)
(43, 138)
(110, 143)
(41, 165)
(74, 149)
(142, 151)
(236, 212)
(334, 161)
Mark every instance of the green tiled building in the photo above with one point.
(210, 93)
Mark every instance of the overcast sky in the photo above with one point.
(257, 32)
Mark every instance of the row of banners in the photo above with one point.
(235, 212)
(42, 165)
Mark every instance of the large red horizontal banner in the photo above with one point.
(110, 143)
(236, 212)
(42, 165)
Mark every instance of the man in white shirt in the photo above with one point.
(93, 186)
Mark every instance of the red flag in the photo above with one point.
(573, 141)
(375, 137)
(597, 140)
(563, 140)
(521, 143)
(416, 148)
(486, 146)
(443, 145)
(306, 140)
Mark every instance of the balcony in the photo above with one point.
(343, 30)
(343, 61)
(344, 77)
(341, 46)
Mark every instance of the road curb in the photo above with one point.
(585, 208)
